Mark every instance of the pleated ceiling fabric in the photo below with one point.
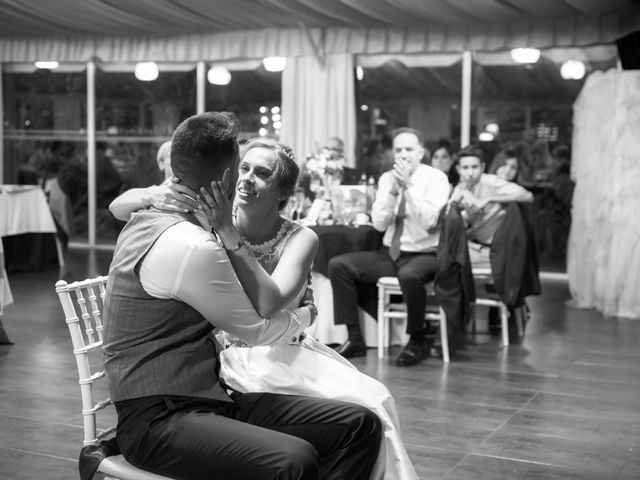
(46, 18)
(211, 30)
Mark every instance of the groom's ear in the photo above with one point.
(228, 183)
(226, 178)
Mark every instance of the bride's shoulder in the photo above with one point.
(306, 233)
(295, 228)
(301, 236)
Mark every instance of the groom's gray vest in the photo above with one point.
(153, 346)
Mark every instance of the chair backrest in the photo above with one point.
(82, 303)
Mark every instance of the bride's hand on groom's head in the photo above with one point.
(171, 197)
(183, 196)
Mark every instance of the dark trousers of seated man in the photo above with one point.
(256, 436)
(412, 269)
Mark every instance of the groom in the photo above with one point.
(170, 282)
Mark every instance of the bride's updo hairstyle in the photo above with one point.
(286, 171)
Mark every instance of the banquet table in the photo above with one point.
(335, 240)
(27, 229)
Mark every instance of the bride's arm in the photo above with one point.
(271, 293)
(166, 196)
(268, 293)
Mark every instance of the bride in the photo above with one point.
(272, 258)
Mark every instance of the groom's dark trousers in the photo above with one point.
(257, 436)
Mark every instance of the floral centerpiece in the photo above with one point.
(325, 169)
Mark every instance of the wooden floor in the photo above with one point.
(563, 405)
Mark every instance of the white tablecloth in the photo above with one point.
(24, 209)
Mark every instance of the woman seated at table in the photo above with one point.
(274, 278)
(442, 158)
(505, 166)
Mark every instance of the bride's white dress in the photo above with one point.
(313, 369)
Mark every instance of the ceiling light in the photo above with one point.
(146, 71)
(275, 109)
(485, 137)
(47, 64)
(492, 128)
(525, 55)
(359, 72)
(263, 132)
(572, 70)
(274, 64)
(364, 107)
(219, 76)
(263, 109)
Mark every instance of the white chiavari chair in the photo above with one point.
(389, 310)
(82, 303)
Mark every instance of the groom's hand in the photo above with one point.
(309, 302)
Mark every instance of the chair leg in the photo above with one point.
(504, 320)
(444, 336)
(382, 322)
(518, 315)
(60, 251)
(472, 325)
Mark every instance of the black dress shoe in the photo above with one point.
(414, 352)
(351, 349)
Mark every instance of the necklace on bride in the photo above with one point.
(265, 252)
(268, 253)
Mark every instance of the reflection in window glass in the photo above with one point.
(45, 141)
(394, 95)
(528, 111)
(133, 118)
(244, 95)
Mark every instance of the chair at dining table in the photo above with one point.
(491, 299)
(390, 309)
(82, 303)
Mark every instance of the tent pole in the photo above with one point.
(465, 102)
(91, 152)
(1, 129)
(200, 86)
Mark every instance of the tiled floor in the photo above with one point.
(563, 405)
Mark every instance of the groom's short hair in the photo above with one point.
(203, 146)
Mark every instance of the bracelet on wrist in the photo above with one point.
(234, 248)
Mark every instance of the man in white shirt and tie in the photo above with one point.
(408, 202)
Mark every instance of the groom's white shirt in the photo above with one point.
(189, 264)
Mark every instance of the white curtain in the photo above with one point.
(318, 102)
(603, 258)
